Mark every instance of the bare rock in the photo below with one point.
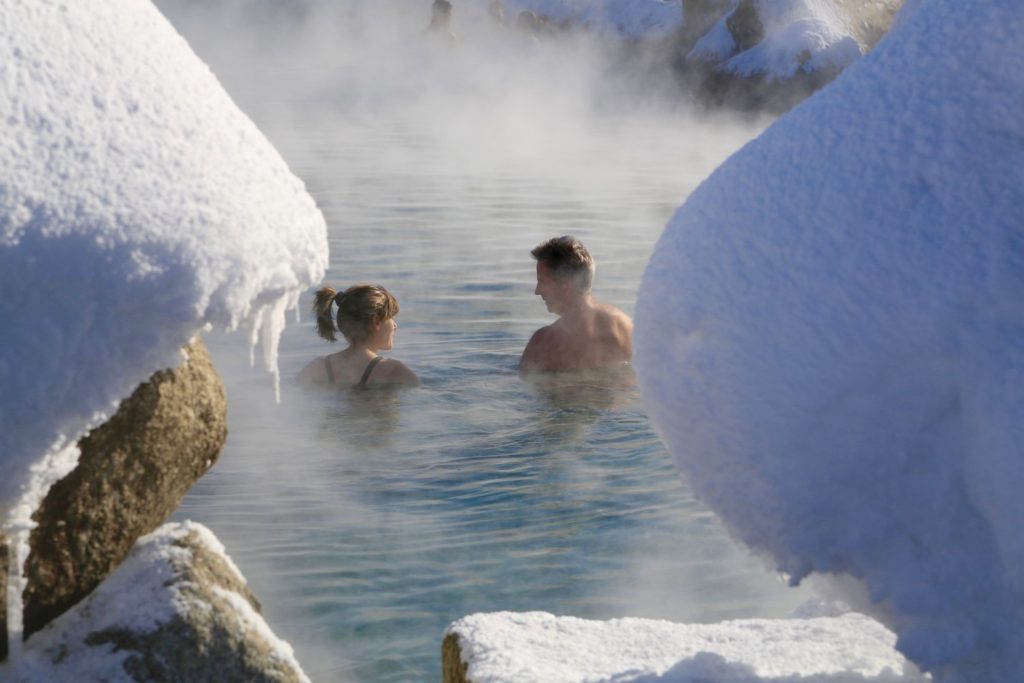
(453, 669)
(177, 609)
(698, 18)
(133, 472)
(744, 24)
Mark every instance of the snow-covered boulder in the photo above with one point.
(137, 204)
(536, 647)
(177, 609)
(830, 337)
(751, 52)
(132, 474)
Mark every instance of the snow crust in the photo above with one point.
(137, 204)
(830, 337)
(142, 594)
(799, 35)
(507, 647)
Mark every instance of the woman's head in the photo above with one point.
(361, 310)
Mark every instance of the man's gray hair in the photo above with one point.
(567, 258)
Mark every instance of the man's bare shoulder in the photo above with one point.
(613, 315)
(535, 355)
(616, 333)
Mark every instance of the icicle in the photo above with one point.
(273, 326)
(18, 526)
(254, 335)
(267, 326)
(294, 303)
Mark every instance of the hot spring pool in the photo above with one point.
(365, 524)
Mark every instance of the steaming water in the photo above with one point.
(366, 523)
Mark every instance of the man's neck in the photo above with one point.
(577, 308)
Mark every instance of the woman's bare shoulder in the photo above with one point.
(314, 372)
(393, 371)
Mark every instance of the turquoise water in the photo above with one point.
(366, 524)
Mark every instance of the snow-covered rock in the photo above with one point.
(177, 609)
(757, 53)
(137, 204)
(830, 337)
(778, 38)
(132, 473)
(536, 647)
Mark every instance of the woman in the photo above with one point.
(366, 318)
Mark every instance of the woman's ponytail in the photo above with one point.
(322, 309)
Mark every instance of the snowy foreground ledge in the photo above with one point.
(177, 608)
(510, 647)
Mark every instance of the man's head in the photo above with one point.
(565, 271)
(441, 11)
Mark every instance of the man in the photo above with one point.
(587, 334)
(441, 20)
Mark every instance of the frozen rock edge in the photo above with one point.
(177, 609)
(132, 474)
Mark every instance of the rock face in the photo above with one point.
(133, 472)
(453, 669)
(699, 16)
(177, 609)
(773, 53)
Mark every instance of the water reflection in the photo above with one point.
(567, 402)
(365, 419)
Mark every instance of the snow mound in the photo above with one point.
(509, 647)
(798, 36)
(830, 337)
(137, 204)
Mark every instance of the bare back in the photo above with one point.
(599, 336)
(338, 370)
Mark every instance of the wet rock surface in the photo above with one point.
(453, 670)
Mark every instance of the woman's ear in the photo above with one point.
(375, 323)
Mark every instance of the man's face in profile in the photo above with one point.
(554, 291)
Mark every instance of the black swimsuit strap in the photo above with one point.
(366, 373)
(330, 372)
